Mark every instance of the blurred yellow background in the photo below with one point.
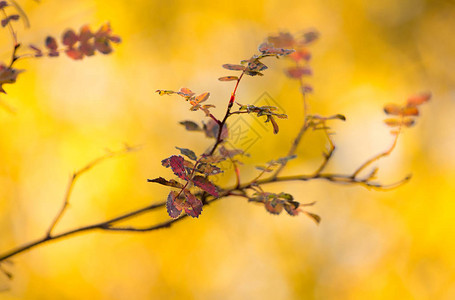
(370, 245)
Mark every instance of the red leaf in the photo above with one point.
(85, 33)
(206, 185)
(74, 54)
(193, 206)
(51, 43)
(300, 54)
(171, 206)
(177, 165)
(70, 38)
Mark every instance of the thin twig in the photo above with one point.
(329, 154)
(377, 157)
(73, 179)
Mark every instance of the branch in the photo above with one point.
(76, 175)
(226, 116)
(109, 225)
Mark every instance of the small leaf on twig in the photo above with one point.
(193, 206)
(205, 184)
(163, 181)
(234, 67)
(173, 209)
(228, 78)
(191, 126)
(188, 153)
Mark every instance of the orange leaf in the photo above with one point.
(392, 122)
(228, 78)
(202, 97)
(408, 122)
(410, 111)
(234, 67)
(418, 99)
(393, 109)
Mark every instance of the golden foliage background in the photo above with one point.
(377, 245)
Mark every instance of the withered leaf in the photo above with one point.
(316, 218)
(163, 181)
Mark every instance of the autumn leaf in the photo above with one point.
(392, 122)
(38, 52)
(177, 165)
(164, 92)
(188, 153)
(51, 44)
(185, 92)
(283, 39)
(205, 184)
(8, 19)
(316, 218)
(297, 72)
(8, 75)
(74, 54)
(191, 126)
(69, 38)
(418, 99)
(228, 78)
(269, 49)
(410, 111)
(211, 130)
(193, 206)
(234, 67)
(392, 109)
(172, 208)
(171, 183)
(274, 207)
